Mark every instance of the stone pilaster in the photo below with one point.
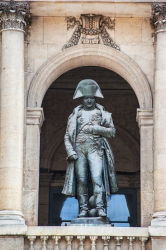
(159, 18)
(34, 121)
(145, 123)
(13, 20)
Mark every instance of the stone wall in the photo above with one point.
(49, 34)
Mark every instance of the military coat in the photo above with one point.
(109, 175)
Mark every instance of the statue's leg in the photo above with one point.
(96, 168)
(81, 171)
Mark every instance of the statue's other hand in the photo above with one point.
(73, 157)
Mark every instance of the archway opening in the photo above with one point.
(121, 101)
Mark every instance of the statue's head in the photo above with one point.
(87, 87)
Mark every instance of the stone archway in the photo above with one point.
(82, 55)
(95, 55)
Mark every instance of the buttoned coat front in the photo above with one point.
(109, 175)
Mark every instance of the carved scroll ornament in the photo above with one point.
(90, 29)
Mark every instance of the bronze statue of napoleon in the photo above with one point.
(88, 151)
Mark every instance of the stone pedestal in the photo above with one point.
(159, 216)
(90, 221)
(13, 20)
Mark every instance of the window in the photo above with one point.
(121, 208)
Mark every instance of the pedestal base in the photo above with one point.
(90, 221)
(11, 217)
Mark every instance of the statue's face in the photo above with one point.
(88, 102)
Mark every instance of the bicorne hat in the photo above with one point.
(87, 87)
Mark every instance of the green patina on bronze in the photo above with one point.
(89, 153)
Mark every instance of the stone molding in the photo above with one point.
(144, 117)
(90, 55)
(159, 219)
(159, 17)
(90, 29)
(11, 217)
(34, 231)
(14, 16)
(35, 116)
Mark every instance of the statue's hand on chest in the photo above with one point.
(91, 117)
(88, 129)
(87, 119)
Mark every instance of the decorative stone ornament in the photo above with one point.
(91, 29)
(159, 17)
(14, 15)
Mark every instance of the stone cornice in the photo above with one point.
(35, 116)
(14, 15)
(159, 17)
(144, 117)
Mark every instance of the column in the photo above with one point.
(159, 18)
(34, 121)
(145, 122)
(14, 17)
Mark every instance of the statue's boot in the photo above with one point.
(99, 202)
(83, 203)
(83, 213)
(101, 212)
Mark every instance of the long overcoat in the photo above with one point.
(109, 175)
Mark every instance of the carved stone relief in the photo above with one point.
(91, 29)
(14, 15)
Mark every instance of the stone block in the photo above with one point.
(160, 201)
(55, 31)
(159, 243)
(31, 180)
(160, 174)
(36, 31)
(143, 55)
(161, 57)
(30, 207)
(147, 31)
(32, 147)
(147, 181)
(146, 161)
(146, 208)
(28, 78)
(160, 76)
(37, 55)
(11, 243)
(128, 30)
(133, 9)
(108, 8)
(52, 49)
